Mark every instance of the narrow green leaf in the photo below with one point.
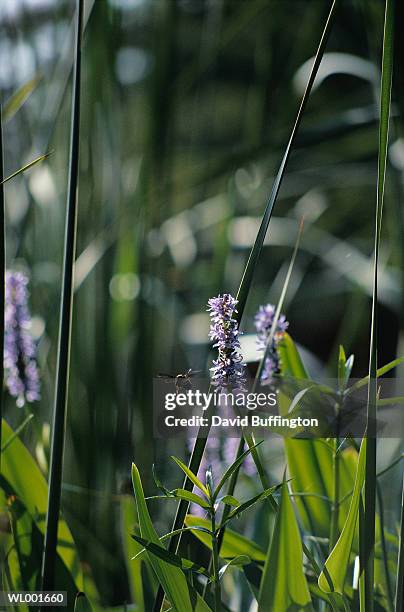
(171, 558)
(182, 596)
(64, 339)
(248, 504)
(17, 432)
(337, 562)
(194, 479)
(380, 372)
(367, 598)
(32, 163)
(18, 98)
(283, 584)
(233, 544)
(158, 482)
(236, 562)
(191, 497)
(232, 468)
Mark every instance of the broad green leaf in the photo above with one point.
(236, 562)
(27, 482)
(338, 560)
(283, 584)
(191, 476)
(171, 558)
(181, 595)
(18, 98)
(82, 604)
(233, 544)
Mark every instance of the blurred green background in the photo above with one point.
(187, 106)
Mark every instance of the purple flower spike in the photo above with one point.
(228, 369)
(263, 323)
(21, 372)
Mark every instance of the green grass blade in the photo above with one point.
(161, 553)
(231, 469)
(367, 601)
(32, 163)
(191, 476)
(337, 562)
(283, 585)
(62, 377)
(182, 597)
(13, 104)
(399, 602)
(248, 275)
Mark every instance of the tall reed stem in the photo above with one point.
(62, 377)
(367, 601)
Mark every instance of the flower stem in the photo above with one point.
(215, 562)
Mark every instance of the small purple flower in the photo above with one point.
(263, 323)
(21, 372)
(228, 369)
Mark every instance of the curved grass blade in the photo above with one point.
(191, 476)
(62, 378)
(367, 599)
(182, 596)
(230, 470)
(172, 558)
(337, 562)
(248, 504)
(246, 281)
(248, 275)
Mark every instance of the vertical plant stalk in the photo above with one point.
(246, 281)
(335, 501)
(2, 275)
(367, 603)
(63, 358)
(399, 603)
(215, 562)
